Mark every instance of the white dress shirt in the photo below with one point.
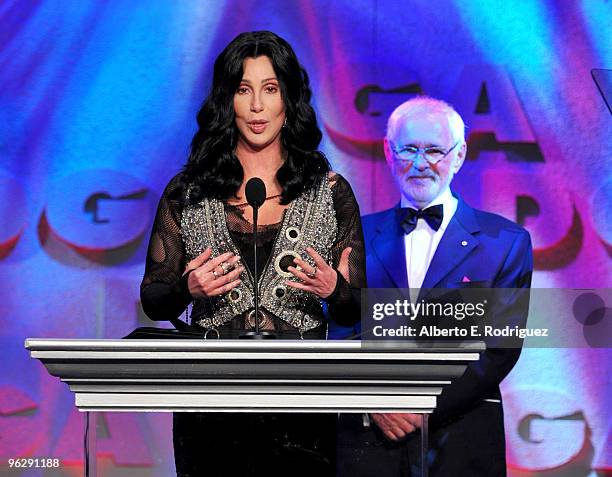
(420, 245)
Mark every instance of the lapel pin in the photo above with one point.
(465, 279)
(463, 243)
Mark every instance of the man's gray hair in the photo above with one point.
(428, 106)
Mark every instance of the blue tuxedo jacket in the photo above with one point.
(489, 251)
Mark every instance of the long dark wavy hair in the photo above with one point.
(213, 170)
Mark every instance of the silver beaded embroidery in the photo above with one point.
(312, 214)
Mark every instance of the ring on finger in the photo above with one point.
(225, 267)
(313, 273)
(215, 274)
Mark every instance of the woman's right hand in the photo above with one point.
(207, 277)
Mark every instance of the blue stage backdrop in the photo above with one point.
(97, 107)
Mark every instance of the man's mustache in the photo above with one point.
(422, 177)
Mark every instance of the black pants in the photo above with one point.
(472, 445)
(232, 445)
(366, 452)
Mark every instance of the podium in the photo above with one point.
(253, 376)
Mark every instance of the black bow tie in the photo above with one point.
(432, 215)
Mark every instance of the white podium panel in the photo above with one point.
(252, 376)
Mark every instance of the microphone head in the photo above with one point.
(255, 192)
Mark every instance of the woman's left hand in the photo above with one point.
(320, 279)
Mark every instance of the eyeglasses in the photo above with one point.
(432, 154)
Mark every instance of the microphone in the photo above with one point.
(255, 192)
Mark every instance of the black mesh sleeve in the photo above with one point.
(163, 291)
(344, 302)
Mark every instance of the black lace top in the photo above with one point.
(164, 293)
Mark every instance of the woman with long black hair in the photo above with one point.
(257, 121)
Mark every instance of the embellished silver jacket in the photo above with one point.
(309, 221)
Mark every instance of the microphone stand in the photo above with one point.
(257, 334)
